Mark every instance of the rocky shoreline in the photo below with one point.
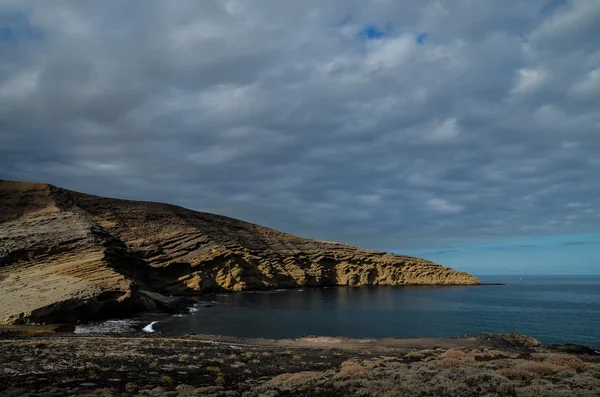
(39, 362)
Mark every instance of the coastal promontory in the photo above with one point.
(67, 256)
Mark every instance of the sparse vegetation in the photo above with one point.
(568, 362)
(184, 368)
(454, 353)
(351, 368)
(454, 372)
(449, 362)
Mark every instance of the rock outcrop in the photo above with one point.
(69, 256)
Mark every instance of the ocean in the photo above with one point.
(553, 309)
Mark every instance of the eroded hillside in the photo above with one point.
(67, 256)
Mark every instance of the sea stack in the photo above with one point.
(67, 256)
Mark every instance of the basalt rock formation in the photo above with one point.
(69, 256)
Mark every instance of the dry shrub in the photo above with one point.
(539, 356)
(539, 369)
(549, 390)
(489, 384)
(454, 353)
(489, 355)
(519, 340)
(418, 364)
(528, 370)
(568, 362)
(302, 377)
(377, 363)
(420, 354)
(304, 388)
(497, 354)
(449, 362)
(295, 377)
(351, 368)
(516, 374)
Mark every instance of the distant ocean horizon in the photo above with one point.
(555, 309)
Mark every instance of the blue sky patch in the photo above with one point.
(421, 38)
(371, 32)
(553, 254)
(15, 27)
(6, 34)
(550, 7)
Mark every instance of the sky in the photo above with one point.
(464, 131)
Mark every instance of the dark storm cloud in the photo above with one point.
(378, 124)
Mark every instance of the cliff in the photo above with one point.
(69, 256)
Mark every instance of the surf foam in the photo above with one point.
(109, 326)
(149, 327)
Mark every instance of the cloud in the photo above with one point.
(587, 88)
(446, 131)
(391, 53)
(528, 80)
(284, 114)
(444, 207)
(20, 86)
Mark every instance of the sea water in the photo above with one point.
(553, 309)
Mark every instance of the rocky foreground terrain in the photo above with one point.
(41, 365)
(68, 256)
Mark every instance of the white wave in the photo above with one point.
(280, 290)
(148, 328)
(108, 326)
(179, 315)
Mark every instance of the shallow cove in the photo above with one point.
(551, 308)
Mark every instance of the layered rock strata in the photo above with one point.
(68, 256)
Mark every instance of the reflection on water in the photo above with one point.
(553, 309)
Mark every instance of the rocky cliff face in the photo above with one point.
(68, 256)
